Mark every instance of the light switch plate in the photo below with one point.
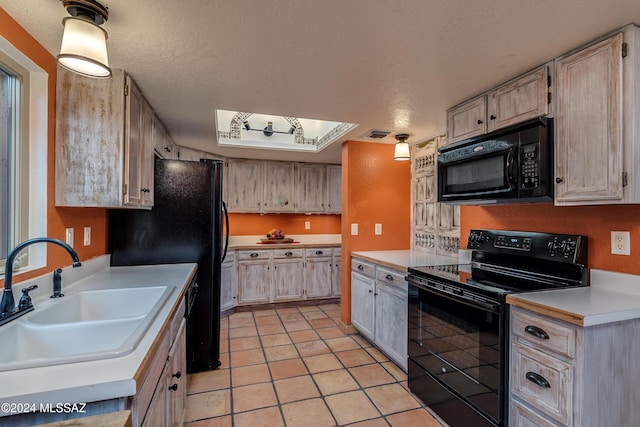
(307, 225)
(87, 236)
(378, 229)
(68, 236)
(354, 229)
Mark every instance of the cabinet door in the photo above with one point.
(334, 188)
(518, 100)
(244, 186)
(288, 279)
(467, 120)
(133, 147)
(254, 281)
(278, 186)
(228, 287)
(146, 158)
(362, 304)
(177, 378)
(317, 277)
(391, 321)
(157, 415)
(159, 137)
(588, 125)
(311, 184)
(90, 118)
(336, 288)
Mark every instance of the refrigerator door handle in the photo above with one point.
(226, 238)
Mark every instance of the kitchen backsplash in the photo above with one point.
(256, 224)
(596, 222)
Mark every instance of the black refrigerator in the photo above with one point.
(185, 225)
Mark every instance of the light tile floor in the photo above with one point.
(294, 367)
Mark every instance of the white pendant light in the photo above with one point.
(84, 43)
(402, 148)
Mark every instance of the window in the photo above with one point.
(23, 156)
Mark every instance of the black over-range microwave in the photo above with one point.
(511, 165)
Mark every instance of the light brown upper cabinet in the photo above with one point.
(515, 101)
(104, 142)
(596, 127)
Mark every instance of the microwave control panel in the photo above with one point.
(529, 166)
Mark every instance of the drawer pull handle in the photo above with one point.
(318, 252)
(253, 254)
(537, 379)
(288, 253)
(173, 387)
(536, 332)
(360, 267)
(388, 277)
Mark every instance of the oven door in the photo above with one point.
(464, 174)
(457, 357)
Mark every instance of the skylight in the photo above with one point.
(256, 130)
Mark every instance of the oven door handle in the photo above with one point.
(486, 306)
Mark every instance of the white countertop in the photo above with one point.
(100, 379)
(253, 242)
(611, 297)
(403, 259)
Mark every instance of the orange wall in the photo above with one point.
(595, 222)
(58, 218)
(256, 224)
(375, 190)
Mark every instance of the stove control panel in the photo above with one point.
(558, 247)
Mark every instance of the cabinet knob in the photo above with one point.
(559, 180)
(492, 117)
(177, 374)
(173, 387)
(361, 267)
(370, 291)
(480, 122)
(253, 255)
(318, 252)
(288, 253)
(388, 277)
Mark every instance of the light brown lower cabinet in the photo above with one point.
(162, 396)
(563, 374)
(379, 304)
(284, 274)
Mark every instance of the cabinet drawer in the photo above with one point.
(543, 332)
(177, 320)
(230, 257)
(363, 267)
(252, 255)
(287, 253)
(392, 277)
(317, 252)
(544, 382)
(337, 251)
(522, 416)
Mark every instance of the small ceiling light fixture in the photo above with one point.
(268, 130)
(84, 43)
(402, 147)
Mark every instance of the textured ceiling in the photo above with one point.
(386, 64)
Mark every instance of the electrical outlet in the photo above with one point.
(68, 236)
(378, 229)
(307, 225)
(620, 243)
(354, 229)
(87, 236)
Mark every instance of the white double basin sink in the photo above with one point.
(88, 325)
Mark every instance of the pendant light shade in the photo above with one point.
(402, 148)
(84, 42)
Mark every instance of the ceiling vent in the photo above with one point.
(376, 134)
